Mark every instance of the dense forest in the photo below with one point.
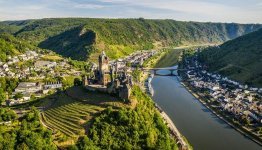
(239, 59)
(83, 38)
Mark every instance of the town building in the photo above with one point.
(53, 85)
(28, 87)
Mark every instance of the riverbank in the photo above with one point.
(184, 145)
(181, 140)
(147, 88)
(220, 116)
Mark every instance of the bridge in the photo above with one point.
(155, 71)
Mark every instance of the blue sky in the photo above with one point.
(240, 11)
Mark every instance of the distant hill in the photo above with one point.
(83, 38)
(240, 59)
(9, 45)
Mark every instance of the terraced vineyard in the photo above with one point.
(70, 119)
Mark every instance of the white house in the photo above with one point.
(5, 66)
(53, 85)
(26, 96)
(28, 87)
(215, 87)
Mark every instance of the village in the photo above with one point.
(32, 65)
(33, 69)
(241, 102)
(134, 60)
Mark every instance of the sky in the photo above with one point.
(239, 11)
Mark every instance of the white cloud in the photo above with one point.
(196, 10)
(203, 10)
(113, 1)
(88, 6)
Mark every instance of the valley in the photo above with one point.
(82, 82)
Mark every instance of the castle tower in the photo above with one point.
(103, 69)
(103, 62)
(84, 80)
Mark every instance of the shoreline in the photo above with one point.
(170, 124)
(173, 129)
(244, 133)
(174, 132)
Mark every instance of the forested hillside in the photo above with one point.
(240, 59)
(82, 38)
(139, 128)
(25, 133)
(9, 45)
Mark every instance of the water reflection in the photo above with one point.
(202, 128)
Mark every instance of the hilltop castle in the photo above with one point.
(103, 70)
(107, 78)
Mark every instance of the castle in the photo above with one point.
(108, 78)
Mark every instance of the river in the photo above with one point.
(201, 127)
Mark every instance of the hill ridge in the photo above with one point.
(120, 37)
(240, 58)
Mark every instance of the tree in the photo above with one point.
(77, 82)
(18, 95)
(2, 83)
(128, 64)
(72, 147)
(2, 96)
(33, 97)
(84, 143)
(11, 84)
(7, 114)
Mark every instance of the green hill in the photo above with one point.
(12, 27)
(82, 38)
(240, 59)
(9, 45)
(71, 43)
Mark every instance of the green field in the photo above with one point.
(170, 58)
